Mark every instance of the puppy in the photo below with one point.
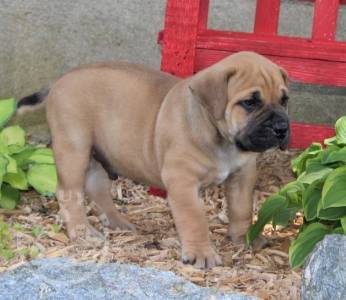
(180, 135)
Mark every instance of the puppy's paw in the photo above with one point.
(85, 233)
(116, 221)
(205, 258)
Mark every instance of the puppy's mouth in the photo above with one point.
(262, 135)
(262, 143)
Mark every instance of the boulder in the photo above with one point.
(64, 278)
(324, 275)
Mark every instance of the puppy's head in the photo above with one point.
(246, 94)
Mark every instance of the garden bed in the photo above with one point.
(264, 273)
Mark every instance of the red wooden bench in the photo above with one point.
(188, 45)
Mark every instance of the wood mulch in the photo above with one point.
(264, 273)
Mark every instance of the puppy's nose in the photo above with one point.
(280, 128)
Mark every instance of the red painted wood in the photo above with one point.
(303, 134)
(180, 34)
(341, 1)
(304, 70)
(272, 45)
(157, 192)
(325, 19)
(267, 17)
(203, 15)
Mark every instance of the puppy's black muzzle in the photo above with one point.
(267, 129)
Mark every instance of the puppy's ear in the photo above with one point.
(210, 88)
(284, 76)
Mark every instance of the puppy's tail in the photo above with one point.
(32, 102)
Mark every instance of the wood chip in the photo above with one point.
(262, 258)
(278, 260)
(60, 237)
(296, 275)
(12, 212)
(276, 252)
(236, 255)
(59, 252)
(254, 267)
(156, 209)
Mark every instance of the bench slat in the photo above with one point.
(325, 19)
(270, 45)
(267, 17)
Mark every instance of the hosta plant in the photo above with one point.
(319, 192)
(22, 165)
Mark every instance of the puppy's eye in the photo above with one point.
(250, 104)
(284, 100)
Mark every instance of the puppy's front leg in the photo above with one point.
(239, 195)
(191, 223)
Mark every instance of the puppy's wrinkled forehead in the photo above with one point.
(257, 74)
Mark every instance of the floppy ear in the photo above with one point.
(284, 75)
(210, 88)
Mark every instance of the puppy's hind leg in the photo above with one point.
(72, 161)
(98, 190)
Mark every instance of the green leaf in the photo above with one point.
(338, 230)
(298, 164)
(13, 137)
(309, 178)
(17, 180)
(3, 166)
(9, 197)
(334, 189)
(331, 213)
(330, 141)
(305, 242)
(311, 198)
(293, 191)
(42, 156)
(314, 164)
(343, 224)
(12, 164)
(284, 216)
(314, 170)
(334, 154)
(23, 157)
(340, 128)
(31, 155)
(269, 209)
(43, 178)
(7, 110)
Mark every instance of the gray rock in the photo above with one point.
(64, 278)
(324, 276)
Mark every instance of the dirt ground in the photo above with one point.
(264, 273)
